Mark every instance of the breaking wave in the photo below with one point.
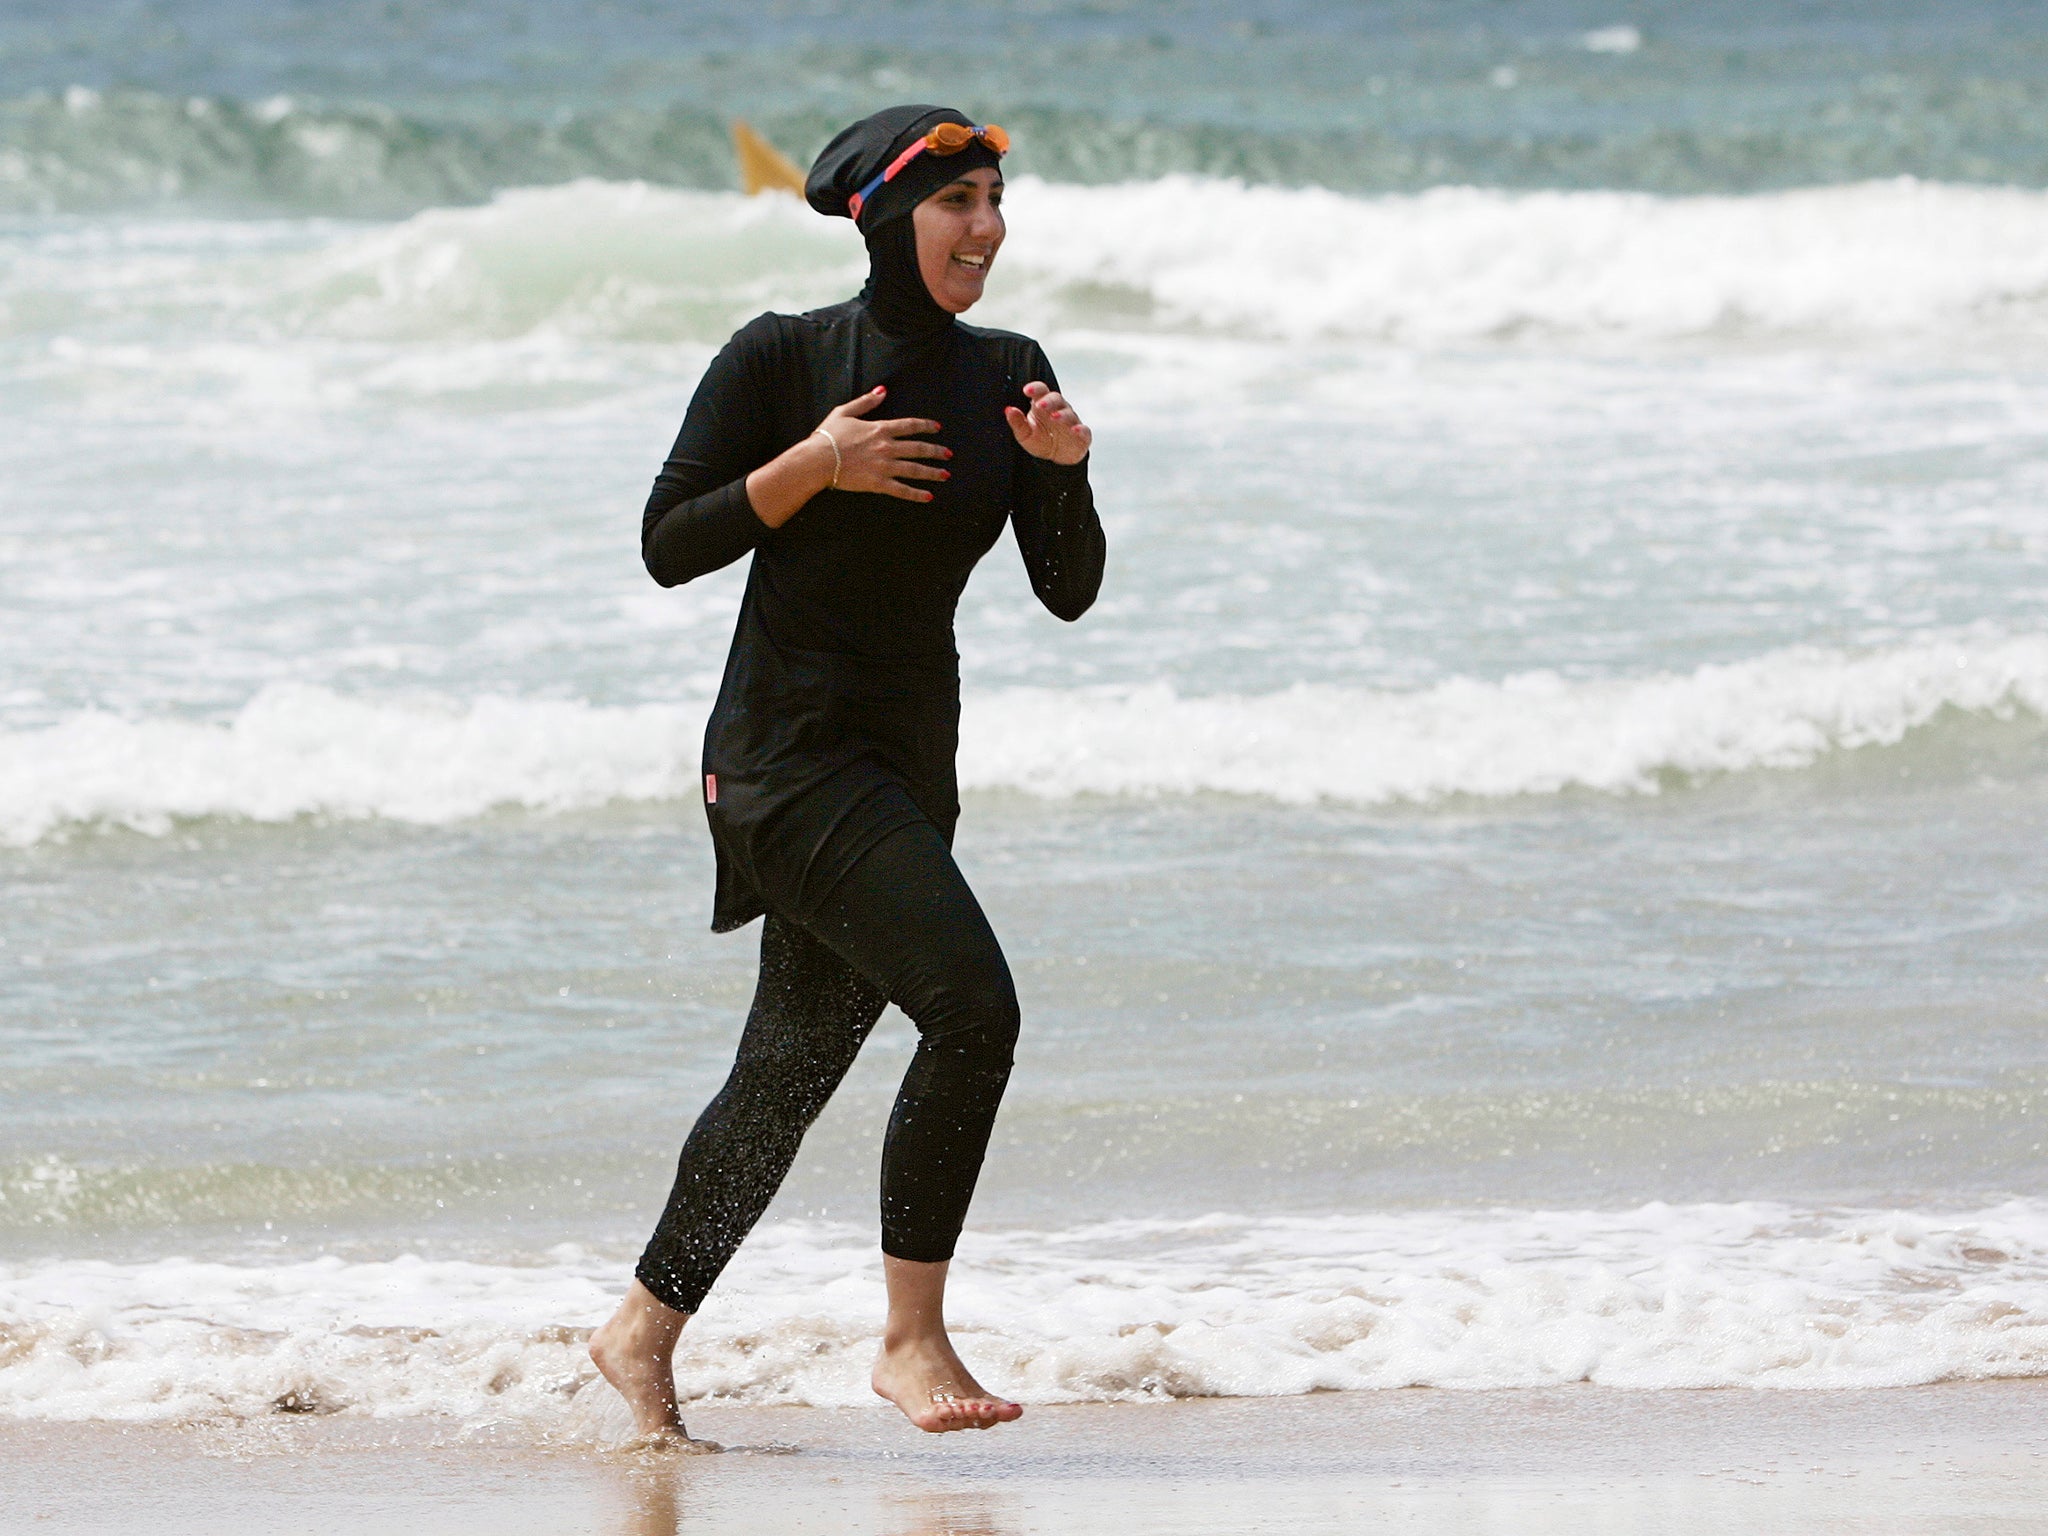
(602, 262)
(301, 750)
(1532, 734)
(637, 262)
(1880, 257)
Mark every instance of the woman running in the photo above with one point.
(867, 455)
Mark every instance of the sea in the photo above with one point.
(1531, 873)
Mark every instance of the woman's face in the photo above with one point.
(959, 230)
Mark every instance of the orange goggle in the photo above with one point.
(946, 139)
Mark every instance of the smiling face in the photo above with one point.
(959, 230)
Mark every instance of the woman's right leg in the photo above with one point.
(810, 1016)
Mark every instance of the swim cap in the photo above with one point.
(862, 154)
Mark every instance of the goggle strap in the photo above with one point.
(855, 203)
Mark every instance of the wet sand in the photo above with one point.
(1964, 1457)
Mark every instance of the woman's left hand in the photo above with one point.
(1050, 430)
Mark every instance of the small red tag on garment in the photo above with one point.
(711, 789)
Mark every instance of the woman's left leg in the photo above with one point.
(904, 918)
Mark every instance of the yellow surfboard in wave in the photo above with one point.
(763, 167)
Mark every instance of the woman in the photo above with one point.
(867, 455)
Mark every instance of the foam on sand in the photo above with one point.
(1751, 1294)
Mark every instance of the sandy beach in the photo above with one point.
(1953, 1458)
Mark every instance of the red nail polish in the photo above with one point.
(945, 474)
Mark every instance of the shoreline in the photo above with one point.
(1934, 1459)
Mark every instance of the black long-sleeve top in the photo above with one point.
(838, 717)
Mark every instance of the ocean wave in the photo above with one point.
(632, 262)
(592, 263)
(1532, 734)
(1884, 257)
(86, 150)
(1752, 1294)
(593, 260)
(295, 751)
(306, 751)
(83, 149)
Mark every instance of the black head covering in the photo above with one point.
(895, 292)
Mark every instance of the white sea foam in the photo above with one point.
(1753, 1294)
(1467, 262)
(1620, 38)
(296, 751)
(1535, 733)
(598, 259)
(301, 750)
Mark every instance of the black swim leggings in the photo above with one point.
(901, 926)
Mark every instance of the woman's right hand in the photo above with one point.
(881, 456)
(884, 457)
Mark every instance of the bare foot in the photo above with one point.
(924, 1377)
(635, 1352)
(673, 1442)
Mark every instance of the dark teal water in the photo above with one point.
(380, 108)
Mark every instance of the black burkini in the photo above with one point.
(829, 758)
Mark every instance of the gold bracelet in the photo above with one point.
(821, 432)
